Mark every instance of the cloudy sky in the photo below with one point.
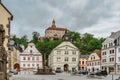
(98, 17)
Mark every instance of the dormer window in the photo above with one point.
(31, 51)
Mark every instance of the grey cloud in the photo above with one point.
(30, 15)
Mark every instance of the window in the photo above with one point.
(23, 65)
(30, 51)
(66, 52)
(111, 59)
(31, 46)
(92, 57)
(98, 63)
(58, 58)
(82, 62)
(28, 65)
(118, 49)
(33, 65)
(74, 52)
(87, 64)
(104, 60)
(33, 58)
(73, 59)
(95, 63)
(28, 58)
(104, 53)
(112, 51)
(110, 44)
(37, 65)
(119, 59)
(66, 59)
(37, 58)
(58, 52)
(24, 58)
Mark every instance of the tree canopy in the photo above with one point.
(87, 43)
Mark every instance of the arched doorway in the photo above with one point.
(17, 66)
(66, 67)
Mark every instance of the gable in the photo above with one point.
(68, 47)
(5, 12)
(108, 40)
(29, 49)
(67, 44)
(93, 56)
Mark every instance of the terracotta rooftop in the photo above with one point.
(55, 28)
(98, 52)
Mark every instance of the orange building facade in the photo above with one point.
(83, 62)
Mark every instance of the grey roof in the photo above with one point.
(84, 56)
(115, 35)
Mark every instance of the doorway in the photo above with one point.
(66, 67)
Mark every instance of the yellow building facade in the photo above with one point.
(5, 18)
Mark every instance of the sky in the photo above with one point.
(98, 17)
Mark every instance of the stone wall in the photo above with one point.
(1, 75)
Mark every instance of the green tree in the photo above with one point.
(20, 41)
(47, 46)
(35, 37)
(74, 36)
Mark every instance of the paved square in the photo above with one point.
(59, 76)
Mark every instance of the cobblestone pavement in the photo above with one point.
(59, 76)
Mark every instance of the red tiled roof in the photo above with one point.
(51, 28)
(98, 52)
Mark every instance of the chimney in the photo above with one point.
(112, 33)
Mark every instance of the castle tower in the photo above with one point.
(53, 24)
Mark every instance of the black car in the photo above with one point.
(84, 72)
(100, 73)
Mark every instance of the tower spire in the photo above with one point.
(53, 24)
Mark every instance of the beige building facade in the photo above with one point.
(65, 57)
(5, 18)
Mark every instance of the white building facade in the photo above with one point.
(110, 57)
(65, 57)
(94, 61)
(30, 58)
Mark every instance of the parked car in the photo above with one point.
(100, 73)
(14, 72)
(58, 70)
(84, 72)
